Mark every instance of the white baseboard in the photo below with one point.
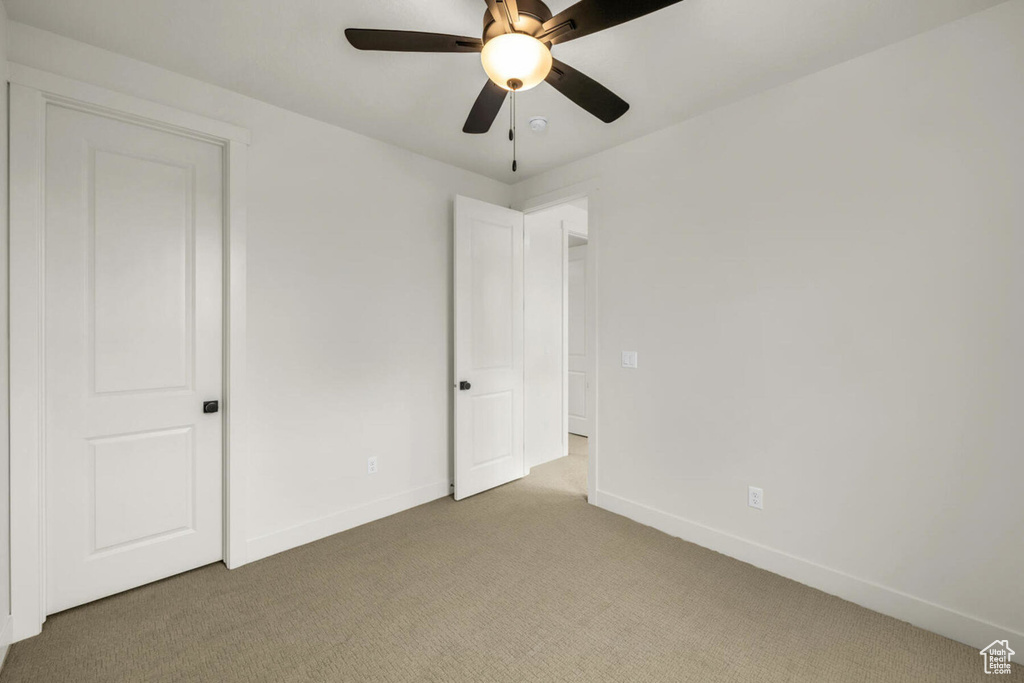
(6, 636)
(927, 615)
(307, 532)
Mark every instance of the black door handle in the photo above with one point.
(464, 386)
(211, 406)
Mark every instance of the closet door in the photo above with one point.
(133, 350)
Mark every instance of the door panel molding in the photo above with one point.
(31, 92)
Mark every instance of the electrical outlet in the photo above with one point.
(755, 497)
(371, 465)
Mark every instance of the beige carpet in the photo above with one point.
(523, 583)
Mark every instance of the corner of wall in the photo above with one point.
(5, 511)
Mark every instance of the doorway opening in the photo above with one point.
(522, 382)
(560, 390)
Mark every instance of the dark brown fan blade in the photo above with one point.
(586, 92)
(485, 109)
(410, 41)
(591, 16)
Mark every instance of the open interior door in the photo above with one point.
(489, 345)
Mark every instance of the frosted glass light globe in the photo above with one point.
(516, 57)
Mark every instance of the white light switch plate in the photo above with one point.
(629, 359)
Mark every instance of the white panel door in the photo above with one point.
(580, 396)
(133, 348)
(488, 346)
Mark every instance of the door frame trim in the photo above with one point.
(31, 90)
(591, 189)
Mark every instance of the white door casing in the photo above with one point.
(580, 395)
(133, 347)
(489, 335)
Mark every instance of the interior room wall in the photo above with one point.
(349, 303)
(823, 283)
(5, 461)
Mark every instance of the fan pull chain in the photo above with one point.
(514, 84)
(512, 134)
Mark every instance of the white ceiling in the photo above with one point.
(671, 65)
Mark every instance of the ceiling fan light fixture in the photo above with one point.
(516, 61)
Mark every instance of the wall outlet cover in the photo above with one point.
(755, 497)
(371, 465)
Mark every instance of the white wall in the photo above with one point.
(349, 266)
(574, 214)
(824, 285)
(5, 461)
(545, 253)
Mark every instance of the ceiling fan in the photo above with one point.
(516, 51)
